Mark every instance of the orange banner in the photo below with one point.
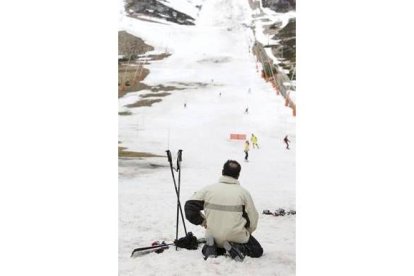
(235, 136)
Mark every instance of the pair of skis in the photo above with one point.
(157, 247)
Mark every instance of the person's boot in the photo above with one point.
(234, 252)
(209, 249)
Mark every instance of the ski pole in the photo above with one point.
(172, 173)
(176, 189)
(179, 159)
(178, 195)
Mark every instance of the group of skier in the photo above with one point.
(253, 140)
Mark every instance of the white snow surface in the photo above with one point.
(214, 53)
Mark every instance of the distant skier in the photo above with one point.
(246, 111)
(246, 150)
(250, 90)
(220, 94)
(185, 105)
(253, 139)
(286, 140)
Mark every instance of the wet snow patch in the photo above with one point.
(215, 60)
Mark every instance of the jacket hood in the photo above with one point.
(228, 180)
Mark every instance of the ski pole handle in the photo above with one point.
(169, 156)
(179, 158)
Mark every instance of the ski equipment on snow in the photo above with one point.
(188, 242)
(279, 212)
(155, 247)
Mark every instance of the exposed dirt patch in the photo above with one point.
(192, 84)
(145, 102)
(131, 70)
(158, 57)
(131, 45)
(124, 113)
(123, 153)
(130, 77)
(164, 88)
(137, 87)
(155, 95)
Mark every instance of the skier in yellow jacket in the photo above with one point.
(253, 139)
(246, 150)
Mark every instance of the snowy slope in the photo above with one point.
(211, 57)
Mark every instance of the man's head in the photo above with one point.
(231, 168)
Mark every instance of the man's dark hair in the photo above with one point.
(231, 168)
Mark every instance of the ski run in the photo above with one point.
(214, 64)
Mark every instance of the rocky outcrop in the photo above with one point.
(280, 5)
(155, 8)
(286, 50)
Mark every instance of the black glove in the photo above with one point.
(188, 242)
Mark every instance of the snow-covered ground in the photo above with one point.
(214, 53)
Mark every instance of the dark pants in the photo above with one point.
(246, 155)
(287, 144)
(251, 248)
